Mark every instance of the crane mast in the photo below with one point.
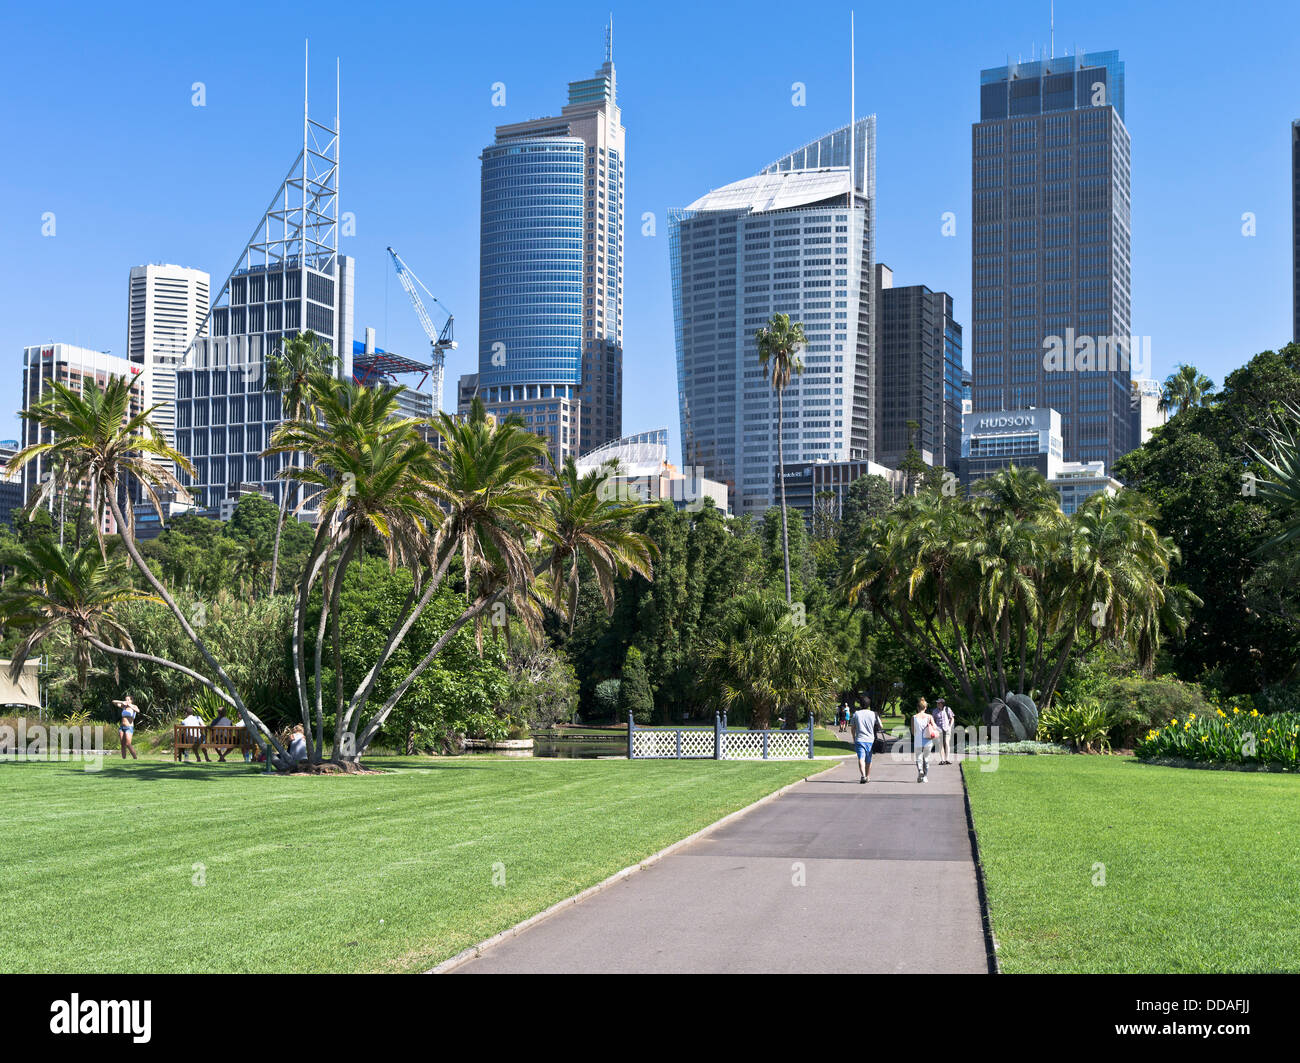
(440, 340)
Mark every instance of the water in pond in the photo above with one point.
(586, 746)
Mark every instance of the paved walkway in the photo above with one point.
(888, 886)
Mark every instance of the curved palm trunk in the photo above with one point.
(780, 475)
(275, 552)
(162, 662)
(256, 727)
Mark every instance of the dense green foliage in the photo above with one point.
(1228, 737)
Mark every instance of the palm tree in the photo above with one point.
(1183, 389)
(369, 470)
(96, 438)
(589, 523)
(778, 353)
(290, 371)
(766, 663)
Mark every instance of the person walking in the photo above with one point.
(863, 724)
(126, 727)
(924, 733)
(943, 720)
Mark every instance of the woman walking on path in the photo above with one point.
(924, 733)
(126, 728)
(943, 719)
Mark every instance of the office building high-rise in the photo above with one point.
(289, 279)
(77, 368)
(1295, 231)
(551, 269)
(918, 374)
(798, 239)
(167, 307)
(1050, 249)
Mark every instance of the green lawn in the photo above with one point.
(362, 873)
(1202, 868)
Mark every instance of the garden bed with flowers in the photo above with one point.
(1228, 738)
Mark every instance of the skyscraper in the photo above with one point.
(1050, 259)
(167, 307)
(551, 269)
(288, 279)
(919, 374)
(798, 239)
(1295, 230)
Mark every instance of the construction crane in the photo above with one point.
(440, 341)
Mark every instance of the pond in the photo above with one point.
(559, 744)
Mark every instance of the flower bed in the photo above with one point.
(1227, 737)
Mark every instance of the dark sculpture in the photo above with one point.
(1014, 715)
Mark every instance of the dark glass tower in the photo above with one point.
(1050, 257)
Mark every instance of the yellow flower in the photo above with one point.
(1221, 712)
(1203, 738)
(1235, 710)
(1173, 721)
(1254, 712)
(1191, 715)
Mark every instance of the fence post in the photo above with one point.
(631, 726)
(810, 736)
(765, 734)
(679, 743)
(717, 737)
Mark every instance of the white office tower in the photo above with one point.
(167, 307)
(796, 239)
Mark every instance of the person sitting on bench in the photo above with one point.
(195, 729)
(222, 721)
(297, 750)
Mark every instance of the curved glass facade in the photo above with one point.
(530, 262)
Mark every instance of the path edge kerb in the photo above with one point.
(986, 917)
(474, 951)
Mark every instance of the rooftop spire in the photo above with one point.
(609, 39)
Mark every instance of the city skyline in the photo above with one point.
(1188, 211)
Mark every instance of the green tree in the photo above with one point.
(1184, 389)
(634, 693)
(778, 353)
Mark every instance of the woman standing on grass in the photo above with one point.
(924, 733)
(126, 728)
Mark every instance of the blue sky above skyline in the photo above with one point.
(99, 128)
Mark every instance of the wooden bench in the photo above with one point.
(223, 739)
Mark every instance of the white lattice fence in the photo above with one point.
(781, 745)
(650, 744)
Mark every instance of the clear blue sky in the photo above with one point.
(97, 126)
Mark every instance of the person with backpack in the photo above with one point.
(864, 723)
(924, 732)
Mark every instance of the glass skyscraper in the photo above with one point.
(799, 239)
(1050, 252)
(551, 271)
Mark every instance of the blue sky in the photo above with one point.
(97, 126)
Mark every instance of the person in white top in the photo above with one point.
(924, 733)
(193, 720)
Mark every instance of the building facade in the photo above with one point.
(167, 307)
(797, 239)
(1029, 439)
(645, 473)
(811, 484)
(551, 269)
(77, 368)
(918, 374)
(1050, 269)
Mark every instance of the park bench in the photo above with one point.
(223, 739)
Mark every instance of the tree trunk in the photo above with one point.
(780, 475)
(279, 527)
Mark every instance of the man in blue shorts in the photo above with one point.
(863, 724)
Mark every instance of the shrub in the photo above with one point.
(1227, 737)
(606, 697)
(634, 693)
(1136, 705)
(1085, 725)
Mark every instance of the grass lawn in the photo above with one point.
(363, 873)
(1202, 868)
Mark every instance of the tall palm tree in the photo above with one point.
(290, 371)
(778, 353)
(95, 436)
(1184, 388)
(368, 473)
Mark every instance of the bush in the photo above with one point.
(1137, 705)
(634, 694)
(1227, 737)
(1085, 725)
(606, 697)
